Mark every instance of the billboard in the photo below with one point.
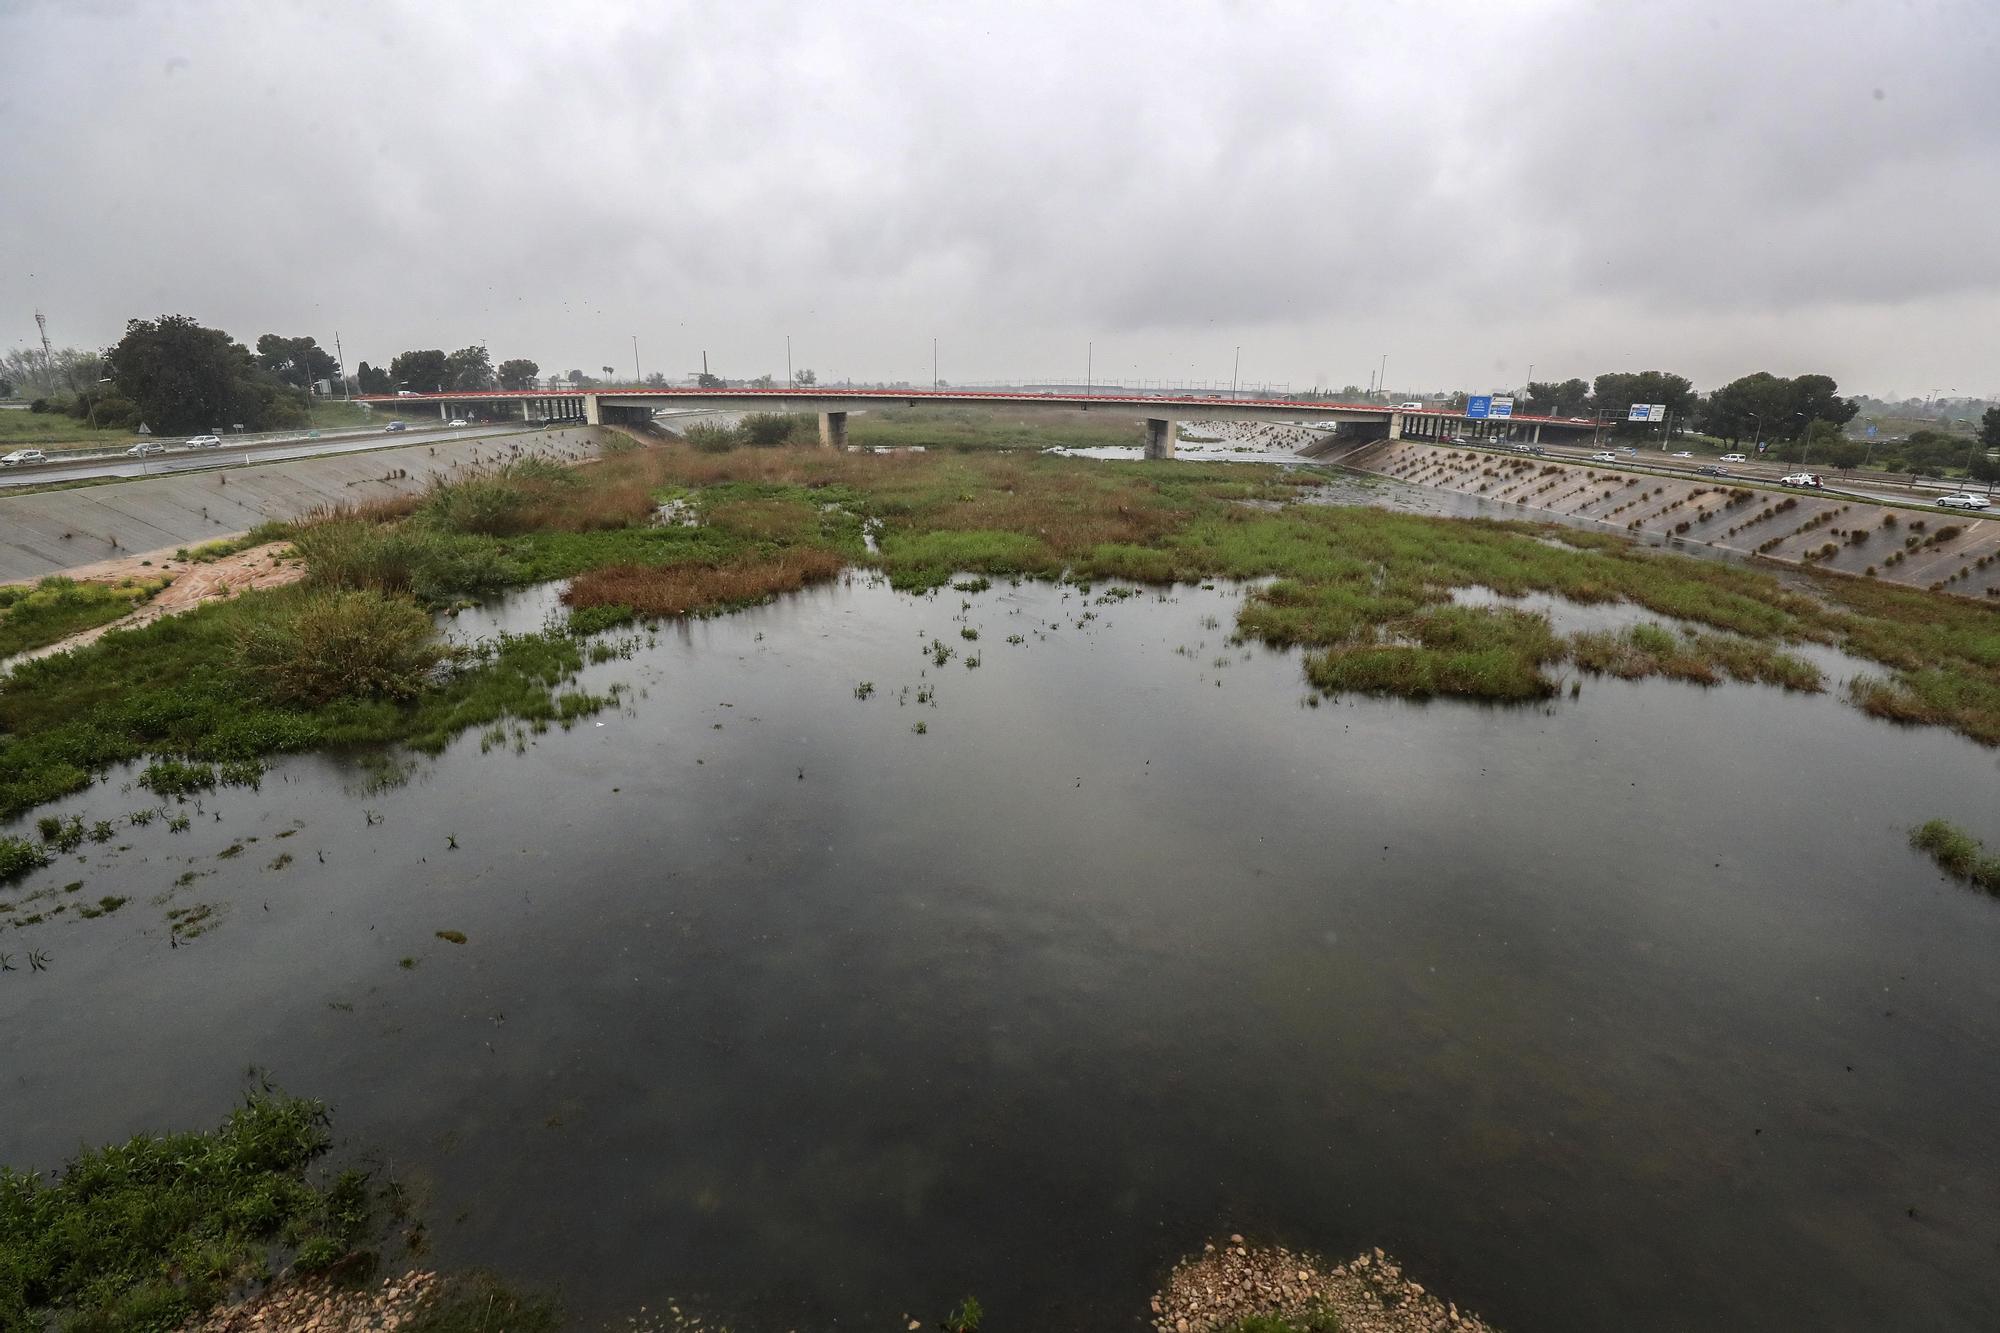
(1478, 406)
(1647, 412)
(1502, 407)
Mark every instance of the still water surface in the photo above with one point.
(1634, 1009)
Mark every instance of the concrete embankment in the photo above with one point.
(1944, 550)
(54, 532)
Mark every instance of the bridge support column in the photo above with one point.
(1160, 437)
(833, 430)
(524, 411)
(1536, 438)
(1395, 425)
(592, 413)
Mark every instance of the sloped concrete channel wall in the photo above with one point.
(1947, 550)
(55, 531)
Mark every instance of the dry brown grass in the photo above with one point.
(682, 590)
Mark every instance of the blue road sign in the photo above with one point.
(1871, 432)
(1478, 406)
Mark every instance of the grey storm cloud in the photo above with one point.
(1714, 186)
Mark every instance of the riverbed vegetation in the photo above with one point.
(58, 607)
(143, 1234)
(345, 658)
(1958, 854)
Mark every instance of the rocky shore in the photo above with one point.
(1233, 1281)
(320, 1306)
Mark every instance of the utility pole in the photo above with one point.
(340, 364)
(637, 379)
(1382, 380)
(1089, 365)
(934, 374)
(788, 361)
(1234, 370)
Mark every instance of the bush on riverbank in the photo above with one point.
(337, 645)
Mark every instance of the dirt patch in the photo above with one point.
(323, 1307)
(1233, 1281)
(194, 583)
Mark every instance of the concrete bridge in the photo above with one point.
(1162, 415)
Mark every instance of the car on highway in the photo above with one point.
(397, 425)
(23, 456)
(1734, 458)
(1604, 458)
(144, 447)
(1801, 479)
(1683, 453)
(1712, 471)
(202, 442)
(1963, 501)
(458, 421)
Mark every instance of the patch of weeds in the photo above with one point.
(968, 633)
(864, 689)
(284, 859)
(189, 923)
(65, 835)
(452, 936)
(177, 779)
(148, 1234)
(1958, 854)
(920, 728)
(103, 906)
(19, 857)
(178, 824)
(407, 964)
(233, 849)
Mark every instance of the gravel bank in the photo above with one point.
(1232, 1281)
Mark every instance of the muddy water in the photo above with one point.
(1631, 1010)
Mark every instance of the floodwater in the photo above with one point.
(1631, 1010)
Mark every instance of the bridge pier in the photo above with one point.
(1160, 434)
(833, 430)
(1395, 425)
(592, 413)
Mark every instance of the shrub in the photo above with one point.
(768, 430)
(342, 644)
(712, 439)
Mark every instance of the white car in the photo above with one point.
(21, 456)
(1962, 501)
(1683, 453)
(458, 421)
(1801, 479)
(144, 447)
(1604, 458)
(1733, 458)
(204, 441)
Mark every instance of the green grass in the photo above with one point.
(479, 1303)
(144, 1234)
(1958, 854)
(58, 607)
(1029, 427)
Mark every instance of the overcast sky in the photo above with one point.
(1708, 186)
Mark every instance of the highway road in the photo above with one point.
(178, 459)
(1876, 486)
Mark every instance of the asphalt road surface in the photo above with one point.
(177, 459)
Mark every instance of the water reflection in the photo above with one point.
(1631, 1010)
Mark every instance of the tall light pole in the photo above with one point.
(1382, 380)
(1089, 365)
(637, 378)
(1234, 371)
(788, 361)
(934, 374)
